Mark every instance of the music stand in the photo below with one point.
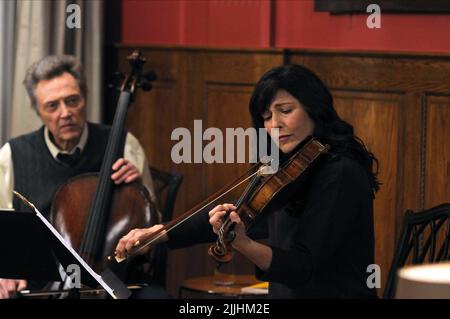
(35, 249)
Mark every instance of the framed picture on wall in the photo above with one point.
(393, 6)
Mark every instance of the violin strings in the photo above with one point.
(250, 188)
(197, 211)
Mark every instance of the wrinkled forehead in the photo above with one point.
(57, 87)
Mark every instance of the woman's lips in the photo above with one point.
(283, 138)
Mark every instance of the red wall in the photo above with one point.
(196, 22)
(283, 23)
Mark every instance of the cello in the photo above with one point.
(92, 213)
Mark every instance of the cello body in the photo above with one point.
(131, 207)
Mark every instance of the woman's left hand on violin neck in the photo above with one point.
(259, 254)
(217, 217)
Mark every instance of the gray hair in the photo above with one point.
(50, 67)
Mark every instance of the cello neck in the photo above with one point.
(99, 211)
(95, 231)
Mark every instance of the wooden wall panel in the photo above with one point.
(376, 115)
(227, 107)
(223, 103)
(437, 150)
(377, 72)
(398, 104)
(155, 110)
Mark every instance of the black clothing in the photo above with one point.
(322, 250)
(322, 240)
(70, 159)
(37, 175)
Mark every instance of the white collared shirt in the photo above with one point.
(133, 152)
(54, 150)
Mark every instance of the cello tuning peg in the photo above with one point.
(115, 78)
(145, 85)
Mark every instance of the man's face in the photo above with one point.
(61, 107)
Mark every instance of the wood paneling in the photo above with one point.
(399, 106)
(437, 150)
(157, 111)
(224, 101)
(376, 115)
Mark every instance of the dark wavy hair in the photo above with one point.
(317, 101)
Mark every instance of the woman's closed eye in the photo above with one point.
(266, 116)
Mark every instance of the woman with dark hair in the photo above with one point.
(321, 240)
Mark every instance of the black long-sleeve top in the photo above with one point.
(322, 239)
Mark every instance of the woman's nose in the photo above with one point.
(276, 121)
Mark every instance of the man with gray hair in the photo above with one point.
(65, 146)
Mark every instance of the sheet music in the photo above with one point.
(75, 254)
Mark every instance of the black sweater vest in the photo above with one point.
(37, 175)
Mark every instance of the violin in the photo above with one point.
(263, 193)
(266, 190)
